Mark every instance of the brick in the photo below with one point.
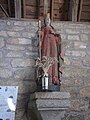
(5, 73)
(85, 92)
(84, 37)
(80, 45)
(13, 34)
(75, 53)
(1, 42)
(73, 37)
(22, 63)
(72, 31)
(15, 47)
(14, 54)
(3, 33)
(17, 41)
(25, 74)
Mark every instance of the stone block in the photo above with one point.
(15, 47)
(87, 117)
(22, 63)
(16, 28)
(52, 95)
(86, 31)
(68, 82)
(66, 61)
(3, 33)
(73, 37)
(25, 74)
(5, 73)
(86, 61)
(52, 115)
(15, 54)
(28, 35)
(80, 45)
(75, 53)
(75, 116)
(63, 36)
(79, 105)
(72, 31)
(76, 62)
(1, 42)
(75, 72)
(26, 87)
(13, 34)
(19, 41)
(32, 49)
(84, 37)
(4, 63)
(87, 82)
(21, 23)
(85, 92)
(57, 104)
(52, 105)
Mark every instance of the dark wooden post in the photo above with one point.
(17, 4)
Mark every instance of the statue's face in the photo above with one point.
(47, 21)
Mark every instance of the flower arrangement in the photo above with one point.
(45, 64)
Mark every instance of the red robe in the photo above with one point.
(49, 45)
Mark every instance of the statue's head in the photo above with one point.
(47, 19)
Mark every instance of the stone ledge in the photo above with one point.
(52, 95)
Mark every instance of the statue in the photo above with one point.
(50, 46)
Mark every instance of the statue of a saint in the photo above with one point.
(50, 47)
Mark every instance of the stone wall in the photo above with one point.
(18, 52)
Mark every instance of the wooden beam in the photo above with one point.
(45, 7)
(75, 10)
(80, 10)
(9, 8)
(52, 8)
(17, 4)
(4, 11)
